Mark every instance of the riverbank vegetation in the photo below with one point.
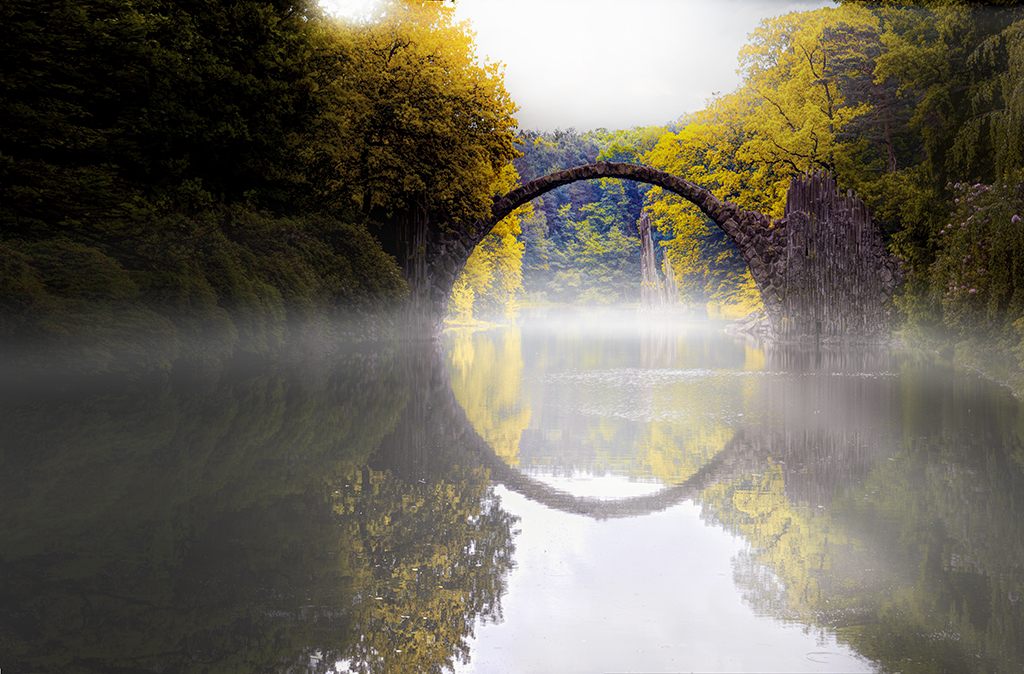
(197, 181)
(200, 181)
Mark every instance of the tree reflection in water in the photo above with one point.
(289, 519)
(864, 520)
(880, 501)
(270, 521)
(429, 533)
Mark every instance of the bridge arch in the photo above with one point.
(741, 226)
(821, 269)
(726, 215)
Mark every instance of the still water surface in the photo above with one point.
(575, 494)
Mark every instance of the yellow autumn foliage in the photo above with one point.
(492, 281)
(745, 147)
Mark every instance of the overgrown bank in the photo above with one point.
(194, 182)
(198, 181)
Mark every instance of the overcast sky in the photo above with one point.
(613, 63)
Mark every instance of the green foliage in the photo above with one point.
(199, 288)
(544, 153)
(562, 258)
(955, 62)
(945, 56)
(998, 103)
(203, 176)
(596, 263)
(979, 270)
(150, 93)
(57, 292)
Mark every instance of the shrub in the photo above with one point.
(978, 273)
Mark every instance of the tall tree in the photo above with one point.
(998, 104)
(410, 120)
(798, 108)
(103, 96)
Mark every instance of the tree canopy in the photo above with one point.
(408, 115)
(201, 180)
(214, 179)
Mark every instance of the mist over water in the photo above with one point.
(575, 492)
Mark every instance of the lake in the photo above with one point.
(579, 492)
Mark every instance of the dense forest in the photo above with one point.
(200, 180)
(207, 179)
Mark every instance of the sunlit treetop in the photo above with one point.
(410, 118)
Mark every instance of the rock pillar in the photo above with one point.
(651, 294)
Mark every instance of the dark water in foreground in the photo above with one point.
(568, 496)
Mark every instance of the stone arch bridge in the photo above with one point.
(822, 270)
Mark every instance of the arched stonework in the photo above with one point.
(822, 270)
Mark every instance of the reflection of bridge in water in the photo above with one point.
(722, 466)
(823, 426)
(829, 423)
